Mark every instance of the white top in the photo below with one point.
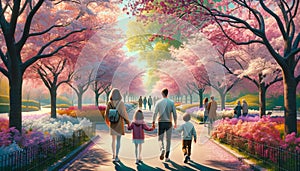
(165, 108)
(187, 131)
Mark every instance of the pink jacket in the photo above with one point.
(138, 127)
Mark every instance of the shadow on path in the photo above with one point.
(144, 167)
(227, 164)
(176, 167)
(91, 160)
(200, 167)
(120, 166)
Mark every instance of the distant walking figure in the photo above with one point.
(237, 109)
(164, 110)
(212, 112)
(145, 102)
(245, 107)
(138, 125)
(116, 129)
(140, 102)
(188, 132)
(205, 104)
(150, 102)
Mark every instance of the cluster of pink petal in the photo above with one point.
(88, 107)
(261, 131)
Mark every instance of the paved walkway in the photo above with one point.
(206, 155)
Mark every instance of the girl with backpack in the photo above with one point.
(116, 127)
(138, 125)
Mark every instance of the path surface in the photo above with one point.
(206, 155)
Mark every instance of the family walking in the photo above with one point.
(164, 114)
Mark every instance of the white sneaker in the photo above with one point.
(137, 161)
(167, 159)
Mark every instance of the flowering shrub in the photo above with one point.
(3, 123)
(184, 107)
(264, 131)
(61, 126)
(177, 104)
(12, 140)
(198, 113)
(38, 130)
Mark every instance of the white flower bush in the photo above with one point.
(63, 125)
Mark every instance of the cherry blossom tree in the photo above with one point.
(82, 84)
(261, 21)
(178, 71)
(235, 59)
(201, 63)
(53, 74)
(27, 24)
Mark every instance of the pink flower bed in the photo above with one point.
(257, 130)
(88, 107)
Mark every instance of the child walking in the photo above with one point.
(138, 125)
(187, 133)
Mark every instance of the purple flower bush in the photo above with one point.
(38, 129)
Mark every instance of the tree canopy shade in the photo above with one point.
(48, 27)
(273, 24)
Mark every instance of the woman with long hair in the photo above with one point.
(117, 128)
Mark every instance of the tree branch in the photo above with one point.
(70, 75)
(74, 88)
(27, 25)
(3, 22)
(4, 71)
(45, 31)
(24, 7)
(279, 23)
(44, 77)
(3, 58)
(37, 57)
(58, 39)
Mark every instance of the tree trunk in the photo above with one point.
(185, 99)
(107, 96)
(53, 102)
(222, 95)
(15, 100)
(97, 99)
(290, 112)
(200, 93)
(191, 98)
(124, 97)
(262, 99)
(79, 104)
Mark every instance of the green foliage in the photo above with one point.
(58, 106)
(4, 99)
(27, 105)
(29, 108)
(4, 107)
(252, 100)
(59, 100)
(30, 103)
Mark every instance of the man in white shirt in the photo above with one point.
(165, 111)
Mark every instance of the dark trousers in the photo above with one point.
(162, 128)
(187, 147)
